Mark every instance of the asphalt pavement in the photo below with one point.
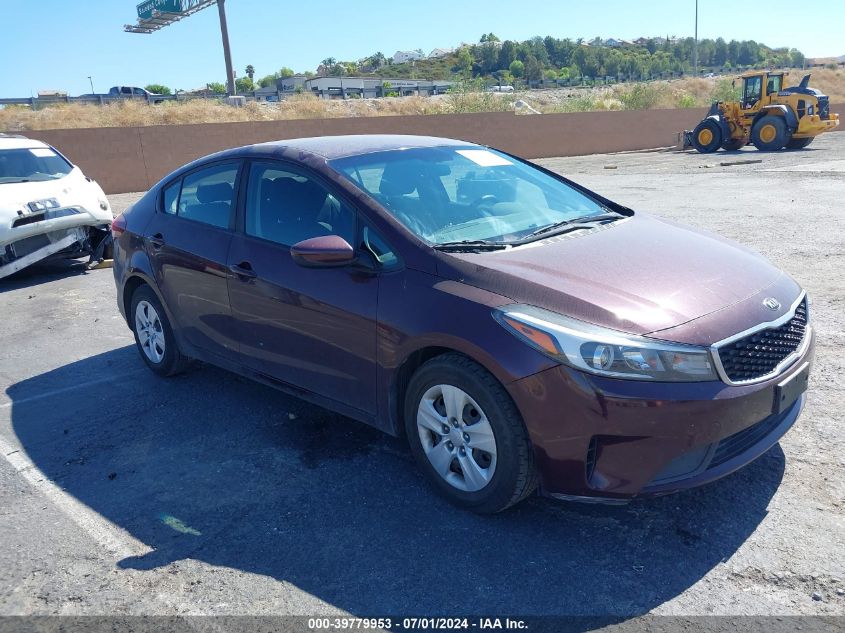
(125, 493)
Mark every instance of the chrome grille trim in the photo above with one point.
(785, 363)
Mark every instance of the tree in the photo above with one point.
(507, 54)
(216, 87)
(159, 89)
(285, 72)
(250, 71)
(720, 53)
(465, 61)
(326, 66)
(377, 60)
(488, 57)
(533, 68)
(517, 69)
(244, 84)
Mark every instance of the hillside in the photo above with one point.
(562, 59)
(678, 93)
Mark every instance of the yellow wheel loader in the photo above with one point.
(769, 116)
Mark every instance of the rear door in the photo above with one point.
(188, 241)
(312, 328)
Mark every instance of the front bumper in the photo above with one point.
(30, 239)
(608, 440)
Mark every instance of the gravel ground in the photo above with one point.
(207, 494)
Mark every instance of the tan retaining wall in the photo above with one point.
(133, 159)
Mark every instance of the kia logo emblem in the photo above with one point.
(771, 303)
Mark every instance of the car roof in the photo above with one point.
(331, 147)
(13, 141)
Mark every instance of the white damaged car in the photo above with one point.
(48, 207)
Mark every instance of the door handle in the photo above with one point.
(156, 241)
(243, 270)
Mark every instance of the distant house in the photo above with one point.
(596, 41)
(400, 57)
(437, 53)
(613, 42)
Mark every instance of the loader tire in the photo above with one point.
(799, 143)
(733, 144)
(707, 136)
(770, 133)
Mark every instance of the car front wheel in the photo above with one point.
(467, 435)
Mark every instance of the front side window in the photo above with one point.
(285, 206)
(446, 194)
(208, 194)
(753, 90)
(32, 165)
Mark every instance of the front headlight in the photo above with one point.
(605, 352)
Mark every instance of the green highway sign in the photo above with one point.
(146, 8)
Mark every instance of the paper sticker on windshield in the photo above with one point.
(42, 152)
(484, 158)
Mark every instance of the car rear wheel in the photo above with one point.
(467, 435)
(153, 334)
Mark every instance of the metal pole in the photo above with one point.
(227, 53)
(92, 84)
(695, 43)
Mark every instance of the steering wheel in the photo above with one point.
(486, 200)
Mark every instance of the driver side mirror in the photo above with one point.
(326, 251)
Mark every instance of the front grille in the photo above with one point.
(824, 107)
(759, 354)
(28, 219)
(738, 443)
(28, 245)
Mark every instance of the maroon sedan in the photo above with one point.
(520, 330)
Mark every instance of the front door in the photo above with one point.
(188, 241)
(312, 328)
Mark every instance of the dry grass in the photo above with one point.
(682, 93)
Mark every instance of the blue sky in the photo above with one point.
(56, 44)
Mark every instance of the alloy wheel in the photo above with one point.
(150, 331)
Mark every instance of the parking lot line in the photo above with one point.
(74, 387)
(110, 537)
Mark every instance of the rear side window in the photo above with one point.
(208, 195)
(170, 197)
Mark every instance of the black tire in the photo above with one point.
(734, 144)
(770, 133)
(707, 136)
(515, 476)
(172, 361)
(799, 143)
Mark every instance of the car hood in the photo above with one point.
(637, 275)
(72, 190)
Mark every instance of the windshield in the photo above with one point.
(32, 164)
(446, 195)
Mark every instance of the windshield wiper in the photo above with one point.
(576, 223)
(470, 245)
